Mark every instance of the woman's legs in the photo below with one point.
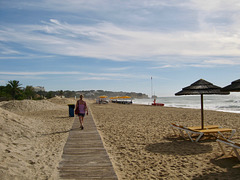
(81, 121)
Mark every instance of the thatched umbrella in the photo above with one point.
(201, 87)
(234, 86)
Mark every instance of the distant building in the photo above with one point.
(39, 88)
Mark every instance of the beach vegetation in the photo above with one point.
(50, 94)
(13, 89)
(3, 93)
(29, 92)
(60, 93)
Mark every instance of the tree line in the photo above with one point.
(14, 91)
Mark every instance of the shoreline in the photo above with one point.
(221, 103)
(191, 108)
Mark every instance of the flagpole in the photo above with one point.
(151, 87)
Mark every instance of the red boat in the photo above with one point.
(157, 104)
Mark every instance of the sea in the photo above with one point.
(225, 103)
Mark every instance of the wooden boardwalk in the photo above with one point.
(84, 156)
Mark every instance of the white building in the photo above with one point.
(39, 88)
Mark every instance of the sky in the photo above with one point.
(118, 45)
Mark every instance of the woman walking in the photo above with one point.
(81, 106)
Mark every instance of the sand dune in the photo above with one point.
(29, 106)
(33, 134)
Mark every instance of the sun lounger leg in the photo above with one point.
(221, 148)
(182, 134)
(233, 132)
(221, 134)
(199, 137)
(189, 135)
(237, 154)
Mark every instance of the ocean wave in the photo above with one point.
(217, 103)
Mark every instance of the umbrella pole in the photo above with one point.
(202, 115)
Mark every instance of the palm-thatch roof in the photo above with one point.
(234, 86)
(201, 87)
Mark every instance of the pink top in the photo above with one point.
(82, 108)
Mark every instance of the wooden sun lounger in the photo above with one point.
(183, 131)
(218, 132)
(235, 147)
(205, 127)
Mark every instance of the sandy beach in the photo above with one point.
(138, 139)
(141, 144)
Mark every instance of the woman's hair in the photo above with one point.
(81, 96)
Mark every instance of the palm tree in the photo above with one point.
(13, 88)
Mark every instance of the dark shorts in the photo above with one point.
(81, 114)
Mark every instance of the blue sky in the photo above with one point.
(118, 45)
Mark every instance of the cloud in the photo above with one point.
(82, 75)
(25, 56)
(119, 68)
(93, 5)
(203, 63)
(215, 33)
(6, 78)
(164, 66)
(214, 5)
(95, 78)
(223, 62)
(55, 21)
(108, 41)
(4, 50)
(40, 73)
